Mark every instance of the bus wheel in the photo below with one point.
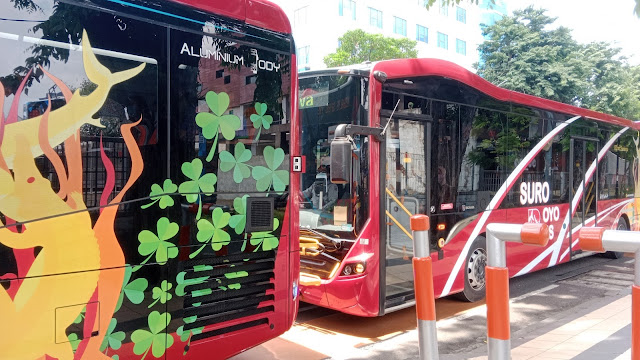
(474, 275)
(622, 225)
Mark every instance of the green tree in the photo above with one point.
(614, 86)
(522, 53)
(525, 53)
(357, 46)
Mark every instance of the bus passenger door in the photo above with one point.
(405, 185)
(583, 153)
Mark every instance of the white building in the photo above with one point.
(446, 32)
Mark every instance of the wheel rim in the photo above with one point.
(475, 269)
(622, 225)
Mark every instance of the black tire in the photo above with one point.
(474, 272)
(623, 226)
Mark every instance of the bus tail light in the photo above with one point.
(442, 227)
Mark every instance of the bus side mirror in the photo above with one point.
(340, 171)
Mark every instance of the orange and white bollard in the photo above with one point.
(423, 280)
(599, 239)
(497, 280)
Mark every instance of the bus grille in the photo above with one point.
(224, 288)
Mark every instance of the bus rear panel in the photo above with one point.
(144, 179)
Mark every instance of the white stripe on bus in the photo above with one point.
(497, 199)
(548, 250)
(557, 245)
(591, 219)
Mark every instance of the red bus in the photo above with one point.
(144, 178)
(427, 136)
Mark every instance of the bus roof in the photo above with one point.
(404, 68)
(260, 13)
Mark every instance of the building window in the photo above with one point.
(300, 16)
(461, 47)
(227, 79)
(219, 73)
(399, 26)
(422, 33)
(250, 79)
(444, 8)
(347, 8)
(461, 15)
(303, 57)
(375, 18)
(443, 41)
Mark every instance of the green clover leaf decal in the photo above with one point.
(213, 231)
(113, 339)
(270, 176)
(235, 275)
(236, 162)
(161, 293)
(191, 189)
(260, 120)
(155, 340)
(158, 194)
(151, 243)
(214, 124)
(80, 316)
(265, 239)
(134, 291)
(182, 283)
(74, 341)
(185, 335)
(238, 221)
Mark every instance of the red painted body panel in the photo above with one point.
(260, 13)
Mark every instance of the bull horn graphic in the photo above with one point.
(65, 121)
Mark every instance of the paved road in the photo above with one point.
(536, 299)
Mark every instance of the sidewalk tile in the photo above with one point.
(542, 344)
(525, 353)
(557, 354)
(576, 326)
(592, 336)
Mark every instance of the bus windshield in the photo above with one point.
(325, 102)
